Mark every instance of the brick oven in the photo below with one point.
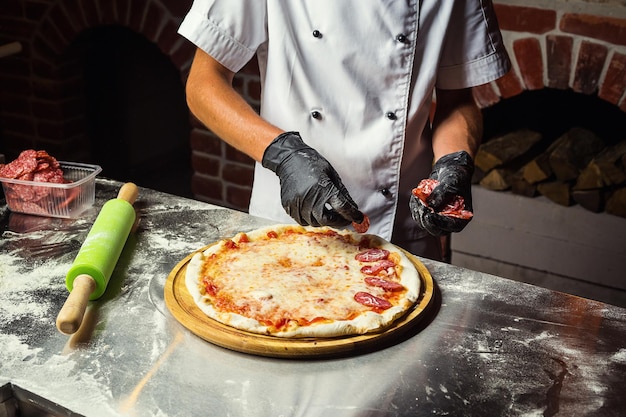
(82, 82)
(575, 50)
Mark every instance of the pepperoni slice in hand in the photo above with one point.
(370, 300)
(455, 208)
(363, 226)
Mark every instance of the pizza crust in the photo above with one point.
(270, 293)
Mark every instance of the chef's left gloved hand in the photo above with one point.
(454, 173)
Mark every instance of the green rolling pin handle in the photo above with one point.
(71, 315)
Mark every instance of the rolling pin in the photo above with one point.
(89, 275)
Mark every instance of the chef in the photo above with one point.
(347, 90)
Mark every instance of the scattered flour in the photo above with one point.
(619, 357)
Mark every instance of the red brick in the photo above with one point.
(238, 197)
(591, 58)
(46, 110)
(74, 11)
(13, 84)
(63, 23)
(152, 22)
(74, 126)
(122, 7)
(108, 15)
(17, 64)
(137, 12)
(614, 83)
(238, 174)
(509, 85)
(183, 55)
(206, 188)
(559, 60)
(178, 8)
(18, 123)
(14, 103)
(235, 155)
(195, 123)
(168, 38)
(47, 89)
(50, 129)
(90, 12)
(609, 29)
(525, 19)
(529, 58)
(205, 164)
(52, 38)
(202, 140)
(485, 95)
(17, 29)
(32, 10)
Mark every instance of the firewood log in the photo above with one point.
(604, 170)
(574, 153)
(496, 180)
(616, 203)
(539, 168)
(504, 149)
(557, 191)
(592, 200)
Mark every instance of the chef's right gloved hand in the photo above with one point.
(310, 189)
(454, 174)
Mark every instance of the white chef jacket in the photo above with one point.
(356, 79)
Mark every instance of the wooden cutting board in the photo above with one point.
(182, 306)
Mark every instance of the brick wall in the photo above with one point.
(42, 105)
(557, 49)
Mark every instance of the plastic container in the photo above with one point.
(54, 200)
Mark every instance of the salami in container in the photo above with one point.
(67, 200)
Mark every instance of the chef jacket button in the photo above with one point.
(316, 115)
(317, 33)
(391, 115)
(385, 192)
(401, 38)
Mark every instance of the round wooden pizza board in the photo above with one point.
(182, 306)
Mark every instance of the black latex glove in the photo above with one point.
(454, 173)
(310, 189)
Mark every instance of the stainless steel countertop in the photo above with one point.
(489, 347)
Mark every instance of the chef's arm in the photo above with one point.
(311, 191)
(457, 124)
(457, 131)
(213, 100)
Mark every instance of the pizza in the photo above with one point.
(293, 281)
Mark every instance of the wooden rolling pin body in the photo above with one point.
(89, 275)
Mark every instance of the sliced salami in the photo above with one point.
(370, 300)
(383, 283)
(372, 255)
(378, 267)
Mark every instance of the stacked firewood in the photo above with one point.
(576, 168)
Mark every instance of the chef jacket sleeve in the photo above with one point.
(474, 51)
(228, 30)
